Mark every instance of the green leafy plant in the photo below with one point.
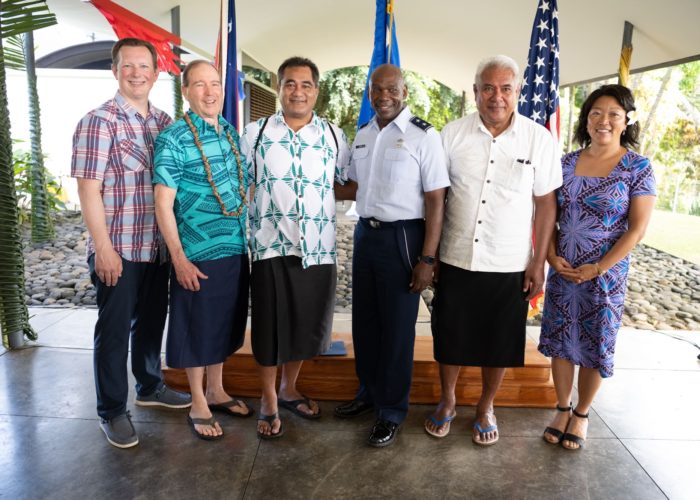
(22, 165)
(16, 16)
(695, 209)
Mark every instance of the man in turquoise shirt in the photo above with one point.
(200, 189)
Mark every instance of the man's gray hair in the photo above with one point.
(193, 64)
(500, 62)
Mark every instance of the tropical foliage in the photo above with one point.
(16, 17)
(22, 165)
(42, 226)
(341, 93)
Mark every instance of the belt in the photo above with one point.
(380, 224)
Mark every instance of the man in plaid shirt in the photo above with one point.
(113, 162)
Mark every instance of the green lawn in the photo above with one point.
(677, 234)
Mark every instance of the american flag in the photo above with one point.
(539, 98)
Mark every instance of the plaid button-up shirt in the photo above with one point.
(114, 144)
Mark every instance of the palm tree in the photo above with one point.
(42, 227)
(19, 55)
(16, 16)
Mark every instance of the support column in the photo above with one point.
(625, 55)
(177, 83)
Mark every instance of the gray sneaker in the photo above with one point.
(167, 397)
(119, 431)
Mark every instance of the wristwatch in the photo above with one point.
(427, 259)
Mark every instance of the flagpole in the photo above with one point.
(390, 11)
(222, 42)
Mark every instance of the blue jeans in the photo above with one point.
(134, 309)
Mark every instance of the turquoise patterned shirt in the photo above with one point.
(205, 232)
(293, 211)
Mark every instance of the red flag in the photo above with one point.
(127, 24)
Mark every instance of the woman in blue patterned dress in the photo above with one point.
(604, 207)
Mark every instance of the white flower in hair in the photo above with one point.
(632, 117)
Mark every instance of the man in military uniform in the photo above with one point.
(398, 163)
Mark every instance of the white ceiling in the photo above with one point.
(443, 39)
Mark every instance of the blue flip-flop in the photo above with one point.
(490, 428)
(439, 423)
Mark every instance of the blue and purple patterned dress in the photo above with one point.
(580, 322)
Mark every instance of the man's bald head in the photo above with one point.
(386, 70)
(387, 93)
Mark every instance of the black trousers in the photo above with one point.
(134, 309)
(384, 313)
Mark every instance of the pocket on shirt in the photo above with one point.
(133, 156)
(398, 166)
(521, 177)
(358, 163)
(359, 154)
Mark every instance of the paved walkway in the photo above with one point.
(644, 439)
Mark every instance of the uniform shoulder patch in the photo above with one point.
(420, 123)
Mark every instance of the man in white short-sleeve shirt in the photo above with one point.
(399, 166)
(503, 170)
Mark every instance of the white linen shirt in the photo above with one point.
(293, 209)
(394, 166)
(490, 207)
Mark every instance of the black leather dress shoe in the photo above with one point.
(383, 433)
(354, 408)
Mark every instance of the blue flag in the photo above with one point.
(539, 98)
(384, 30)
(233, 86)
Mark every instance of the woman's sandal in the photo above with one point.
(573, 437)
(556, 432)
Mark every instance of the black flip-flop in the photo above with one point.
(227, 407)
(203, 421)
(270, 419)
(293, 406)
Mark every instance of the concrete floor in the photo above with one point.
(643, 440)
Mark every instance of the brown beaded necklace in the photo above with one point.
(210, 178)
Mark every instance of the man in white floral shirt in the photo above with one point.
(294, 159)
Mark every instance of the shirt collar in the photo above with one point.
(316, 120)
(401, 120)
(512, 127)
(128, 108)
(204, 127)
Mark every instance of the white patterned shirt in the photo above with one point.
(293, 210)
